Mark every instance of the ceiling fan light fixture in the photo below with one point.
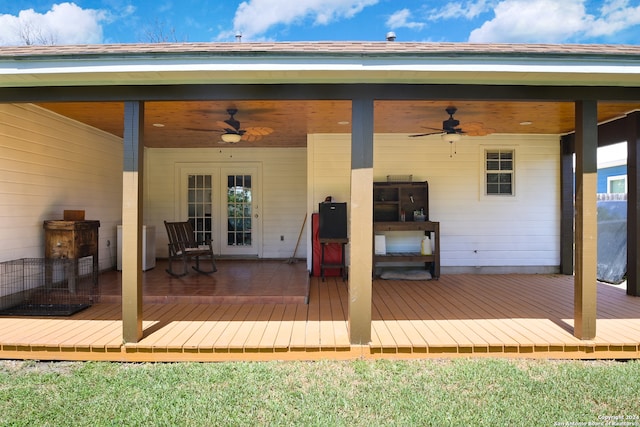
(231, 137)
(450, 137)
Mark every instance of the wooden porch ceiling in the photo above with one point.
(192, 124)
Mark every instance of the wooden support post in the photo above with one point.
(633, 203)
(566, 204)
(360, 265)
(585, 283)
(132, 175)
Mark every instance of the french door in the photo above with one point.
(222, 202)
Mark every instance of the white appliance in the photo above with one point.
(148, 247)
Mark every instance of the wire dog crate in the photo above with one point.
(46, 287)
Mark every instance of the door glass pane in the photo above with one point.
(239, 210)
(199, 206)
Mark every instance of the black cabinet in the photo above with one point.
(332, 232)
(333, 220)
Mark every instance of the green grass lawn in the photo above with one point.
(461, 392)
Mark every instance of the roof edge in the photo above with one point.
(343, 49)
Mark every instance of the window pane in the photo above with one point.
(499, 182)
(493, 165)
(199, 205)
(617, 186)
(239, 209)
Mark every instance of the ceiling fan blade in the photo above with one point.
(199, 129)
(222, 125)
(259, 131)
(426, 134)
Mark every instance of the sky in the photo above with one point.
(477, 21)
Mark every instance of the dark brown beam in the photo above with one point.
(566, 204)
(633, 203)
(316, 92)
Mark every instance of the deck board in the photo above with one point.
(458, 315)
(271, 328)
(312, 333)
(204, 328)
(338, 292)
(403, 319)
(282, 337)
(254, 327)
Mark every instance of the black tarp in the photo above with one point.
(612, 241)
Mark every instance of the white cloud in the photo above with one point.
(552, 21)
(254, 17)
(615, 16)
(401, 19)
(532, 21)
(65, 23)
(468, 10)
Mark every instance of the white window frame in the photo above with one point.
(610, 179)
(485, 172)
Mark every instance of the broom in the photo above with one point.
(293, 260)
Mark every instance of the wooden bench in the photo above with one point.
(183, 247)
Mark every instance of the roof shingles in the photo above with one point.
(320, 48)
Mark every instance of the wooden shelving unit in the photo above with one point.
(392, 200)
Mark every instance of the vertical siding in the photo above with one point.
(476, 231)
(48, 164)
(283, 191)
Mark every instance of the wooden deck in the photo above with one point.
(457, 316)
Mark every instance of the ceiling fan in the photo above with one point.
(231, 132)
(451, 132)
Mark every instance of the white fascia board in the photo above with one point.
(306, 69)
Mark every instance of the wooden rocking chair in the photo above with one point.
(183, 246)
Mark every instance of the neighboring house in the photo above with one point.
(523, 222)
(612, 169)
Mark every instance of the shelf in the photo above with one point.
(406, 226)
(432, 261)
(404, 256)
(391, 199)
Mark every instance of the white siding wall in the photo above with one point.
(48, 164)
(284, 178)
(329, 165)
(478, 233)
